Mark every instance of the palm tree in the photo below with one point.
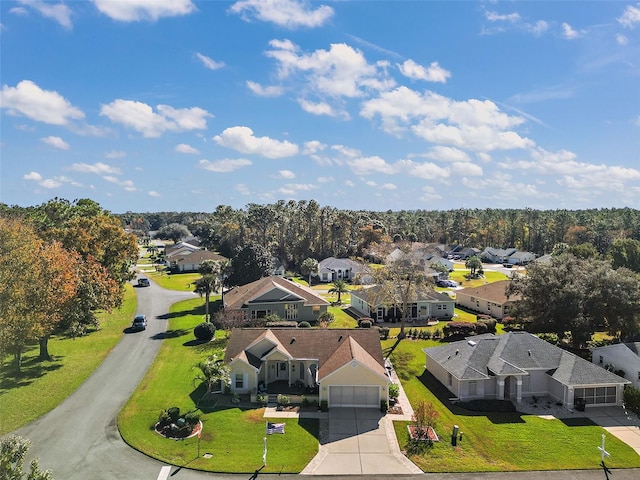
(212, 370)
(473, 264)
(207, 283)
(339, 287)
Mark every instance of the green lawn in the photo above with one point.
(497, 442)
(174, 281)
(42, 386)
(233, 435)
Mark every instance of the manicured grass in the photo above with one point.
(342, 318)
(489, 277)
(42, 386)
(174, 281)
(497, 441)
(233, 435)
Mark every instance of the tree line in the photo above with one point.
(60, 263)
(296, 230)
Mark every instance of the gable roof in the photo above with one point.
(494, 292)
(199, 256)
(332, 348)
(633, 347)
(333, 264)
(424, 294)
(515, 353)
(281, 290)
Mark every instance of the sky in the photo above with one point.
(184, 105)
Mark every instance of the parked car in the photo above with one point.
(139, 323)
(143, 282)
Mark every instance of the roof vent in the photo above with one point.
(339, 338)
(529, 352)
(457, 352)
(293, 339)
(472, 343)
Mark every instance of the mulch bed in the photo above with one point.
(428, 435)
(395, 410)
(162, 430)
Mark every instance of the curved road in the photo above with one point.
(79, 439)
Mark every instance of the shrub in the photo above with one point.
(304, 324)
(204, 331)
(632, 399)
(365, 324)
(164, 418)
(394, 390)
(305, 401)
(459, 329)
(324, 406)
(174, 413)
(283, 400)
(384, 333)
(192, 419)
(262, 398)
(384, 406)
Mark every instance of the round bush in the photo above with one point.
(204, 331)
(304, 325)
(365, 323)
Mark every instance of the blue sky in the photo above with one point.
(183, 105)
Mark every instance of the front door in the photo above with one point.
(282, 371)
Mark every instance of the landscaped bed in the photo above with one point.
(497, 441)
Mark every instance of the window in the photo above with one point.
(597, 395)
(259, 314)
(600, 359)
(316, 309)
(239, 381)
(291, 311)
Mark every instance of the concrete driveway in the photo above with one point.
(356, 441)
(619, 423)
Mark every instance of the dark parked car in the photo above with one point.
(143, 282)
(139, 322)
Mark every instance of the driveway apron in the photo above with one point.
(358, 441)
(619, 423)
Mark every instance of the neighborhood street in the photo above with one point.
(80, 440)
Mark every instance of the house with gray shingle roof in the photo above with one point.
(331, 269)
(276, 296)
(620, 357)
(345, 366)
(518, 365)
(489, 299)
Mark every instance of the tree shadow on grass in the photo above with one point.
(444, 395)
(32, 369)
(174, 333)
(198, 311)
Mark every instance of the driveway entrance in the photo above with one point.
(619, 423)
(357, 441)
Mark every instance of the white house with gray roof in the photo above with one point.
(619, 357)
(518, 365)
(332, 269)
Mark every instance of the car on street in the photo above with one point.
(143, 282)
(139, 323)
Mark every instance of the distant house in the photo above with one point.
(496, 255)
(489, 299)
(345, 366)
(427, 257)
(620, 358)
(468, 252)
(191, 262)
(332, 269)
(427, 304)
(277, 268)
(521, 258)
(518, 365)
(173, 252)
(276, 295)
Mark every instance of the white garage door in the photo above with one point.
(354, 396)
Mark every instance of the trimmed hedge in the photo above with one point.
(205, 331)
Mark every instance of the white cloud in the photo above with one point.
(569, 33)
(270, 91)
(58, 12)
(209, 62)
(447, 154)
(495, 17)
(242, 140)
(56, 142)
(349, 183)
(184, 148)
(369, 165)
(388, 186)
(320, 108)
(143, 119)
(115, 154)
(288, 174)
(430, 194)
(138, 10)
(341, 71)
(347, 151)
(242, 189)
(46, 106)
(313, 146)
(621, 39)
(433, 73)
(50, 183)
(630, 17)
(225, 165)
(284, 13)
(326, 179)
(537, 28)
(153, 193)
(35, 176)
(426, 170)
(128, 185)
(98, 168)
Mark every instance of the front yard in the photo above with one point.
(233, 435)
(497, 441)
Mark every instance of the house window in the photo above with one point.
(600, 357)
(259, 314)
(316, 309)
(290, 311)
(239, 381)
(596, 395)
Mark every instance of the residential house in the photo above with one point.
(278, 296)
(622, 358)
(346, 366)
(521, 258)
(496, 255)
(489, 299)
(173, 252)
(518, 365)
(191, 262)
(277, 268)
(424, 256)
(332, 269)
(468, 252)
(425, 305)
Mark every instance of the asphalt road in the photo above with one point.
(79, 440)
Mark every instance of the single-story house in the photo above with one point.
(427, 304)
(332, 269)
(178, 250)
(518, 365)
(191, 262)
(496, 255)
(346, 366)
(277, 268)
(424, 256)
(521, 258)
(623, 358)
(276, 295)
(489, 299)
